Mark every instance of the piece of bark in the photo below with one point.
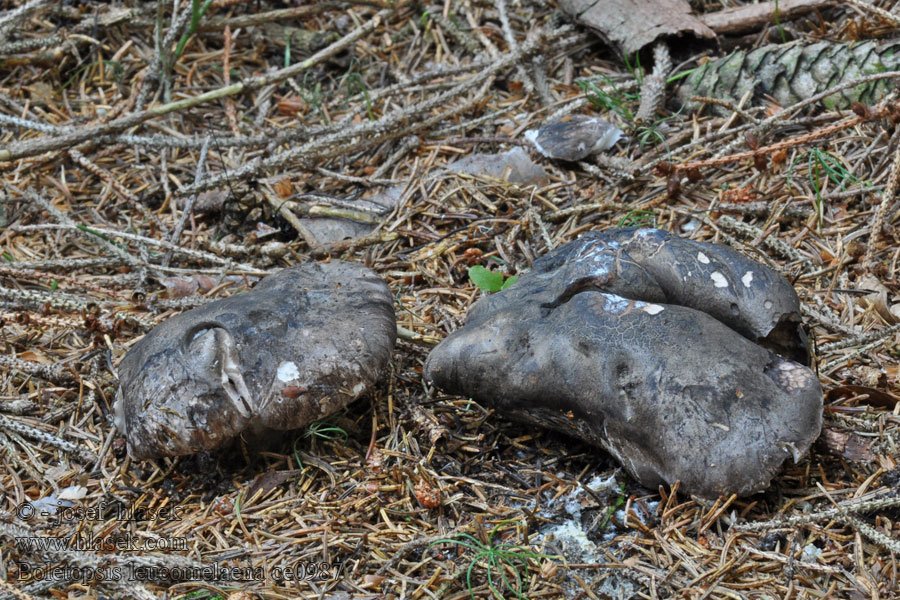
(753, 17)
(631, 25)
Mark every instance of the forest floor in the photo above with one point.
(265, 117)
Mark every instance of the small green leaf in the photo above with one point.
(509, 281)
(53, 285)
(487, 281)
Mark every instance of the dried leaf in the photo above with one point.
(739, 195)
(877, 300)
(204, 282)
(223, 505)
(284, 188)
(848, 445)
(179, 287)
(35, 356)
(270, 480)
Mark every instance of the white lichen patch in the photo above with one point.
(747, 279)
(596, 250)
(811, 553)
(615, 304)
(653, 309)
(718, 279)
(287, 371)
(358, 388)
(575, 542)
(703, 258)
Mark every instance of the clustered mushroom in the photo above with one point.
(685, 360)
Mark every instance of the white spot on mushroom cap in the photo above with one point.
(747, 279)
(287, 371)
(653, 309)
(703, 258)
(532, 135)
(718, 279)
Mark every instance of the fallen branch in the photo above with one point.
(752, 17)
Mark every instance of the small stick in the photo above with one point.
(189, 206)
(782, 145)
(890, 18)
(296, 223)
(54, 373)
(375, 237)
(49, 439)
(878, 222)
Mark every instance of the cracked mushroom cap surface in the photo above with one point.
(299, 346)
(660, 349)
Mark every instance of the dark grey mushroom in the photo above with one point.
(299, 346)
(660, 349)
(574, 137)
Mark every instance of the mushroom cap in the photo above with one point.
(653, 347)
(299, 346)
(574, 137)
